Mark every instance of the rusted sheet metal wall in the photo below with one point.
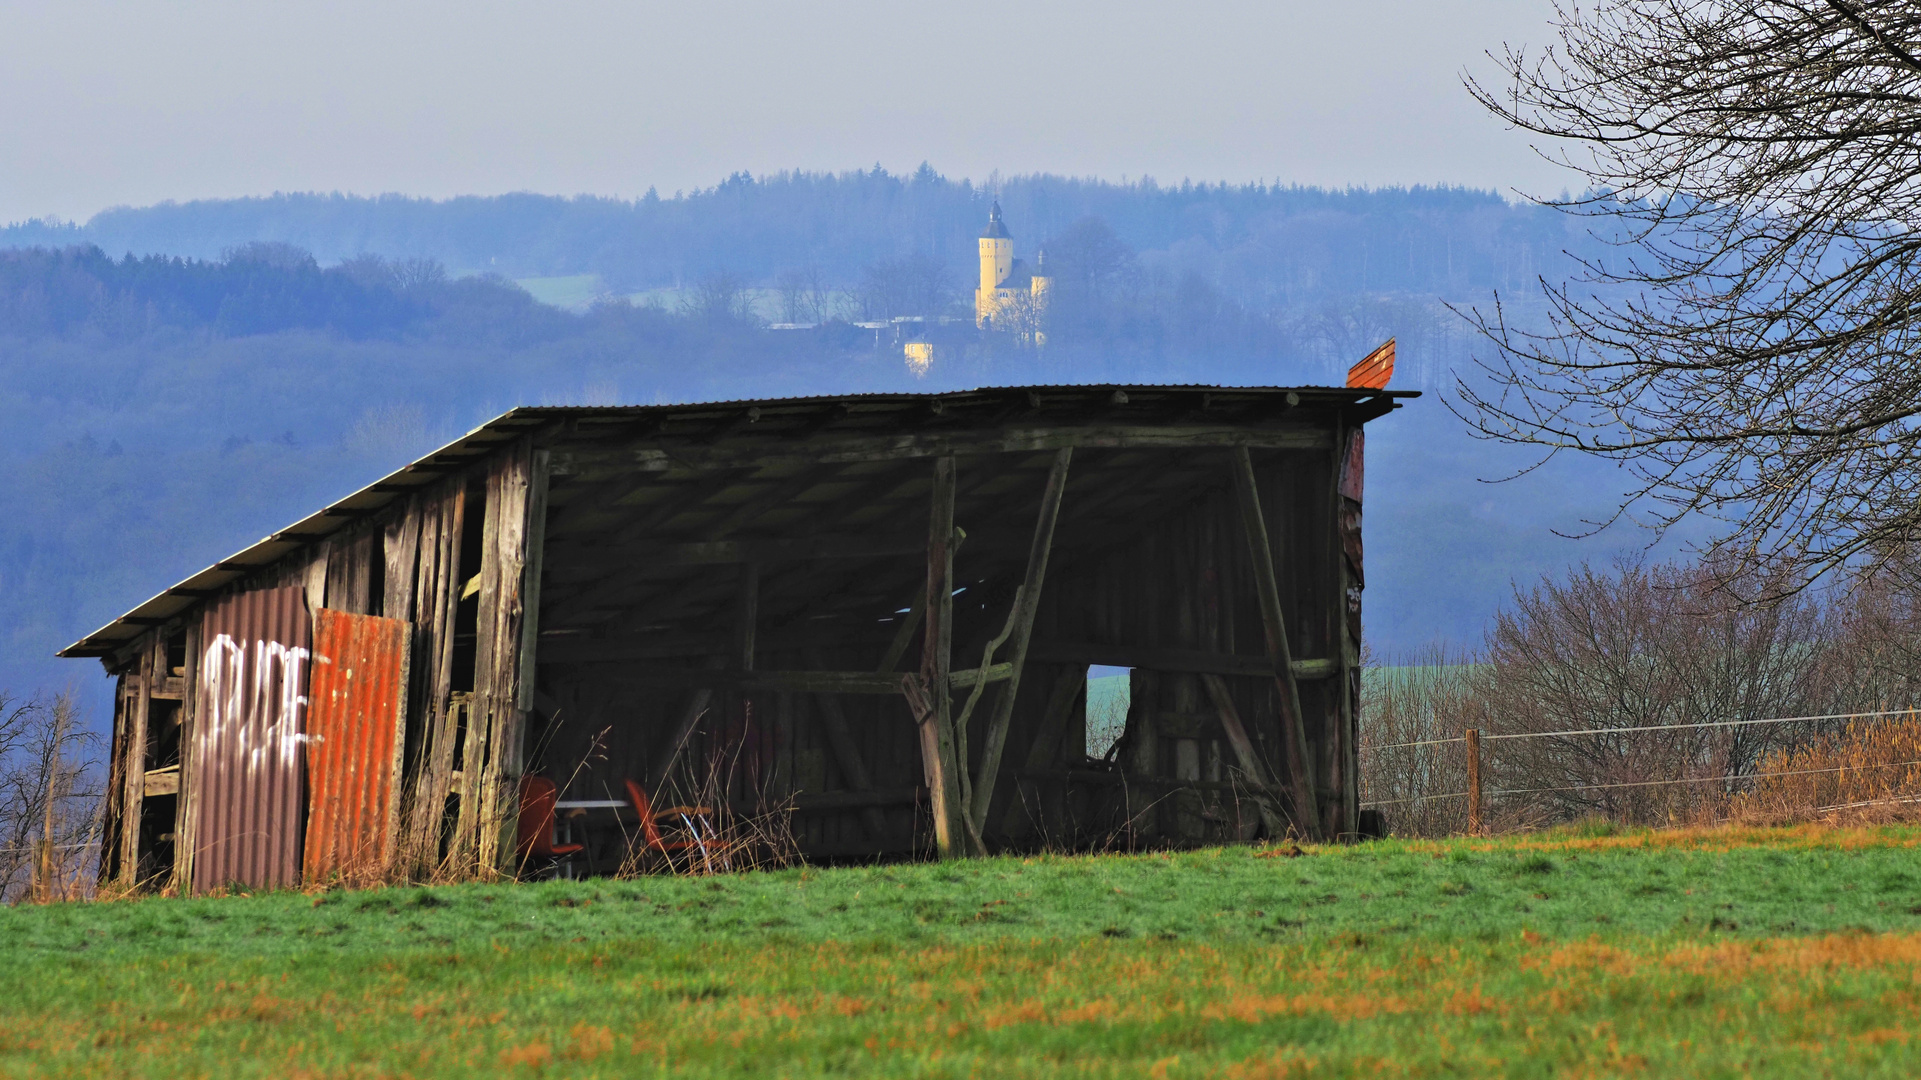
(356, 727)
(248, 742)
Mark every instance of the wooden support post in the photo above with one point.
(187, 804)
(933, 706)
(1261, 553)
(1474, 824)
(1244, 753)
(531, 573)
(910, 622)
(134, 754)
(1028, 601)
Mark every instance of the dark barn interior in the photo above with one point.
(869, 619)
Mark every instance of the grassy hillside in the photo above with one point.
(1729, 952)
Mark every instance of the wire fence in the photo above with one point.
(1764, 768)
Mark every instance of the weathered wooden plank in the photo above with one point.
(1027, 604)
(187, 806)
(934, 705)
(350, 573)
(531, 575)
(1267, 593)
(442, 518)
(401, 548)
(496, 700)
(112, 813)
(134, 768)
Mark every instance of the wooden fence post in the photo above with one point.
(1474, 781)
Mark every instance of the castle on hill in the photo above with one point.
(1011, 296)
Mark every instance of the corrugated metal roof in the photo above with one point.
(471, 447)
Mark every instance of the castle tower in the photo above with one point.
(997, 264)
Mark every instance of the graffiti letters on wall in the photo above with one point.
(249, 744)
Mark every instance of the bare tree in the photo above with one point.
(720, 298)
(49, 798)
(1644, 647)
(1747, 346)
(912, 285)
(804, 295)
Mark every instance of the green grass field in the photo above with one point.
(1692, 953)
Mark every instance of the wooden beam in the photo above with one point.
(1267, 591)
(905, 447)
(933, 704)
(1197, 661)
(1250, 761)
(573, 649)
(744, 680)
(1027, 604)
(723, 552)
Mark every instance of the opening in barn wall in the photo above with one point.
(862, 624)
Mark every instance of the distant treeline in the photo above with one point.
(1265, 246)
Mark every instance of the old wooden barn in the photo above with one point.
(871, 616)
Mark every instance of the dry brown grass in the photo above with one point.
(1869, 772)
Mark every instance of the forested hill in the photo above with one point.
(1265, 244)
(252, 359)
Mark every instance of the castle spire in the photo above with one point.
(995, 230)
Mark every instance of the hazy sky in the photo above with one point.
(135, 101)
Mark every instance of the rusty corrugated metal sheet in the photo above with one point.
(1375, 369)
(355, 731)
(247, 747)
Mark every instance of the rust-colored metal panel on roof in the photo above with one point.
(247, 746)
(356, 720)
(1374, 370)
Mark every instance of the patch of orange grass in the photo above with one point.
(1284, 1064)
(1725, 837)
(1582, 956)
(1253, 1008)
(1735, 960)
(533, 1055)
(589, 1042)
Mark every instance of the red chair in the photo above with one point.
(709, 848)
(536, 828)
